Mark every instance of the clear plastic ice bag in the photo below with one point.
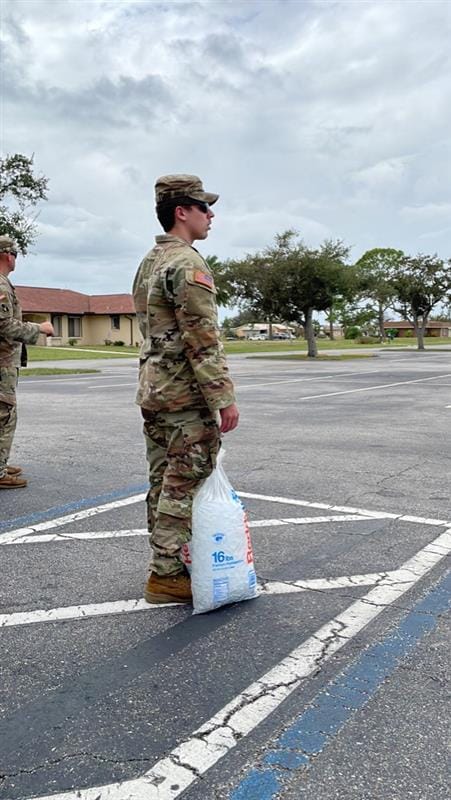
(219, 557)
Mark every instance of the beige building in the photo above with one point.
(88, 319)
(261, 330)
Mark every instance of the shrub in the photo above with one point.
(108, 342)
(365, 339)
(353, 332)
(72, 342)
(119, 343)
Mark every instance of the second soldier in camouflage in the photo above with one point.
(185, 391)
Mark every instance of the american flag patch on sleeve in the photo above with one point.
(204, 279)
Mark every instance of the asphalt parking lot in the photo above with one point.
(331, 685)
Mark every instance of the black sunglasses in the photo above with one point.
(204, 207)
(13, 253)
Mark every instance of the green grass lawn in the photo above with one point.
(276, 346)
(282, 346)
(53, 371)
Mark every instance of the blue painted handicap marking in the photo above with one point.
(335, 704)
(286, 758)
(258, 785)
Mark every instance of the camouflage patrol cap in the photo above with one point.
(8, 245)
(172, 187)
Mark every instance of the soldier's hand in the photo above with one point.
(47, 328)
(229, 418)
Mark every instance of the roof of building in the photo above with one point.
(65, 301)
(111, 304)
(402, 323)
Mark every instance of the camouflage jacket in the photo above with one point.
(13, 332)
(182, 361)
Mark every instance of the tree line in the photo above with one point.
(287, 281)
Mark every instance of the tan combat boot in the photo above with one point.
(12, 482)
(168, 588)
(13, 470)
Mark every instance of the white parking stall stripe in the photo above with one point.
(364, 512)
(111, 385)
(44, 538)
(20, 533)
(172, 775)
(83, 377)
(373, 388)
(129, 606)
(11, 536)
(307, 380)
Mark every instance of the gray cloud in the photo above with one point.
(124, 102)
(332, 118)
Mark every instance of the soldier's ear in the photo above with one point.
(180, 213)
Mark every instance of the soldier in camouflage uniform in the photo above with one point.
(13, 334)
(185, 392)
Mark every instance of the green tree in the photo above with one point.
(374, 271)
(253, 282)
(350, 314)
(20, 191)
(288, 281)
(223, 286)
(420, 282)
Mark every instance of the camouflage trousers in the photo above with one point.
(8, 416)
(181, 453)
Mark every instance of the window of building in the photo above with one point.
(57, 322)
(115, 322)
(74, 327)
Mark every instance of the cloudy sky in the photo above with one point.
(332, 118)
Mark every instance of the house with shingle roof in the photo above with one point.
(89, 319)
(433, 328)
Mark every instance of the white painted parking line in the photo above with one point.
(307, 380)
(45, 538)
(265, 523)
(8, 538)
(129, 606)
(86, 377)
(112, 385)
(364, 512)
(373, 388)
(20, 533)
(172, 775)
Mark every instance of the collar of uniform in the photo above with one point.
(165, 238)
(7, 280)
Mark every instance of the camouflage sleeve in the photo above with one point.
(13, 329)
(140, 299)
(194, 295)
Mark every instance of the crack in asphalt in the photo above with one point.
(55, 761)
(177, 761)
